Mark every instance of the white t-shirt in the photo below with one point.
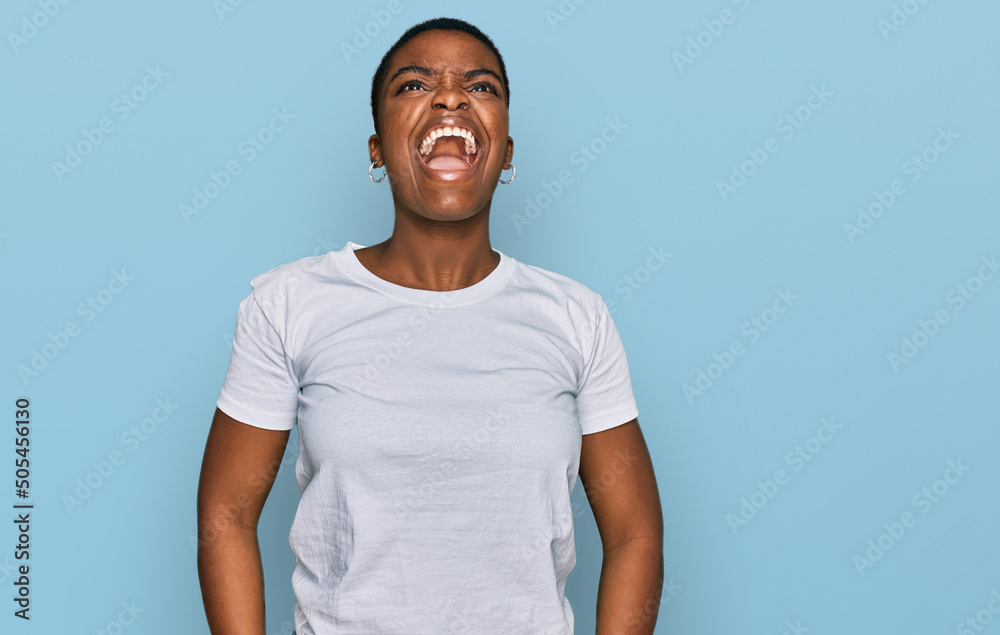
(439, 438)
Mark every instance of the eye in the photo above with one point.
(487, 85)
(405, 85)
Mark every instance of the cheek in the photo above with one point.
(395, 148)
(396, 128)
(499, 131)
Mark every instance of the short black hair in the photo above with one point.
(442, 24)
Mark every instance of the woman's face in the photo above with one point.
(437, 80)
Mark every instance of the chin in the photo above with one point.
(449, 208)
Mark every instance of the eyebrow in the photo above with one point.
(429, 72)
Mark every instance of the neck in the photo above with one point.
(436, 255)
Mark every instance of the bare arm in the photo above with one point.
(237, 472)
(617, 475)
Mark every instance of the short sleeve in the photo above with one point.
(260, 388)
(604, 397)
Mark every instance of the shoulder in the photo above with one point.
(578, 298)
(276, 284)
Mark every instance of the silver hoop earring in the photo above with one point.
(370, 168)
(512, 175)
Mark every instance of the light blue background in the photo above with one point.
(166, 335)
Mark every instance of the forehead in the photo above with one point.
(444, 50)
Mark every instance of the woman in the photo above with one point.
(447, 397)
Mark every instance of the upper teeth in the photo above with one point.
(448, 131)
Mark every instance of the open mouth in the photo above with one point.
(449, 149)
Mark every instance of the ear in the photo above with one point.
(375, 150)
(510, 153)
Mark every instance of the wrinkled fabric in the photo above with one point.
(439, 439)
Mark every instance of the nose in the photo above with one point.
(450, 97)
